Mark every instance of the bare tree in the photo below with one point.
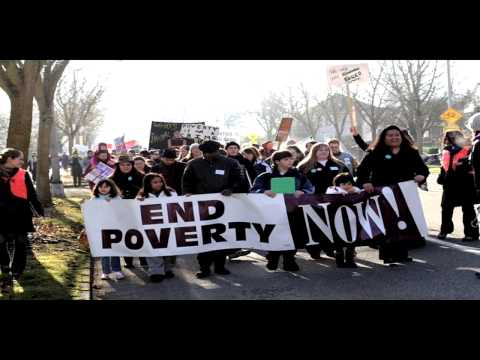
(18, 79)
(305, 111)
(77, 107)
(273, 108)
(413, 86)
(335, 112)
(45, 95)
(3, 131)
(372, 103)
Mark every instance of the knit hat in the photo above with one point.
(169, 154)
(232, 143)
(209, 146)
(474, 122)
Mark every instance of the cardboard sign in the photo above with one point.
(161, 132)
(284, 129)
(340, 75)
(100, 172)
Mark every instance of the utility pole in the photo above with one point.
(449, 85)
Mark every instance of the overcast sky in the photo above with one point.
(139, 92)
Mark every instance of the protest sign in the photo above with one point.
(162, 132)
(341, 75)
(199, 132)
(100, 172)
(283, 185)
(284, 129)
(120, 144)
(199, 223)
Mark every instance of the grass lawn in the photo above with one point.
(57, 269)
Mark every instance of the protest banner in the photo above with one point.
(188, 225)
(100, 172)
(162, 132)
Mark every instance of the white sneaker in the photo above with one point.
(119, 275)
(104, 277)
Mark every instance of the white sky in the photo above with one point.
(138, 92)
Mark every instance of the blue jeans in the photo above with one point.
(110, 264)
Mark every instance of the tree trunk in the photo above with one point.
(21, 102)
(44, 139)
(20, 128)
(71, 139)
(56, 182)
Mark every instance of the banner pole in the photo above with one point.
(351, 108)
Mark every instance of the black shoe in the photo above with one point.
(441, 236)
(157, 278)
(477, 274)
(339, 259)
(350, 265)
(169, 274)
(222, 271)
(406, 259)
(330, 253)
(6, 284)
(389, 261)
(291, 266)
(203, 274)
(272, 263)
(238, 254)
(469, 239)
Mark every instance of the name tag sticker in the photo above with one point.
(333, 168)
(219, 172)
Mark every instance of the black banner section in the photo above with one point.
(360, 219)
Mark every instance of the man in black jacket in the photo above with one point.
(171, 169)
(213, 173)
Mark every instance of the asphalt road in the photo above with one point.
(441, 270)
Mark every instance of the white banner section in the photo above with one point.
(186, 225)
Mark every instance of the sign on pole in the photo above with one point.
(284, 129)
(344, 75)
(451, 117)
(341, 75)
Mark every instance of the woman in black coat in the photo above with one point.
(129, 181)
(456, 177)
(392, 159)
(17, 198)
(321, 167)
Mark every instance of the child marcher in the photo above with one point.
(155, 186)
(282, 167)
(106, 190)
(343, 184)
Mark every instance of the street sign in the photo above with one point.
(451, 115)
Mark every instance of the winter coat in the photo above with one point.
(129, 184)
(202, 176)
(172, 173)
(456, 177)
(76, 167)
(247, 168)
(475, 162)
(16, 213)
(263, 182)
(385, 168)
(322, 176)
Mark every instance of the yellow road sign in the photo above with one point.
(451, 115)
